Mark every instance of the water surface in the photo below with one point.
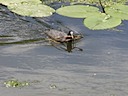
(99, 70)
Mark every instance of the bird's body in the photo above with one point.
(62, 36)
(56, 35)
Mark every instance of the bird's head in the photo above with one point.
(70, 33)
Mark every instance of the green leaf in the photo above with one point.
(32, 8)
(9, 2)
(101, 21)
(37, 10)
(118, 10)
(77, 11)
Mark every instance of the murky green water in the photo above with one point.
(99, 70)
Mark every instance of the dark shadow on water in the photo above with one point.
(22, 41)
(9, 40)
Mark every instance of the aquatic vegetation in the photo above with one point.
(32, 8)
(102, 21)
(85, 1)
(9, 2)
(118, 11)
(77, 11)
(15, 83)
(108, 17)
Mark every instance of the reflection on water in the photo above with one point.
(9, 41)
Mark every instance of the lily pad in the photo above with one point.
(77, 11)
(32, 10)
(9, 2)
(101, 21)
(118, 10)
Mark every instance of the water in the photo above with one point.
(99, 70)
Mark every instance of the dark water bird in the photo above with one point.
(64, 38)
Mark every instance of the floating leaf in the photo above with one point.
(9, 2)
(118, 10)
(101, 21)
(31, 9)
(77, 11)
